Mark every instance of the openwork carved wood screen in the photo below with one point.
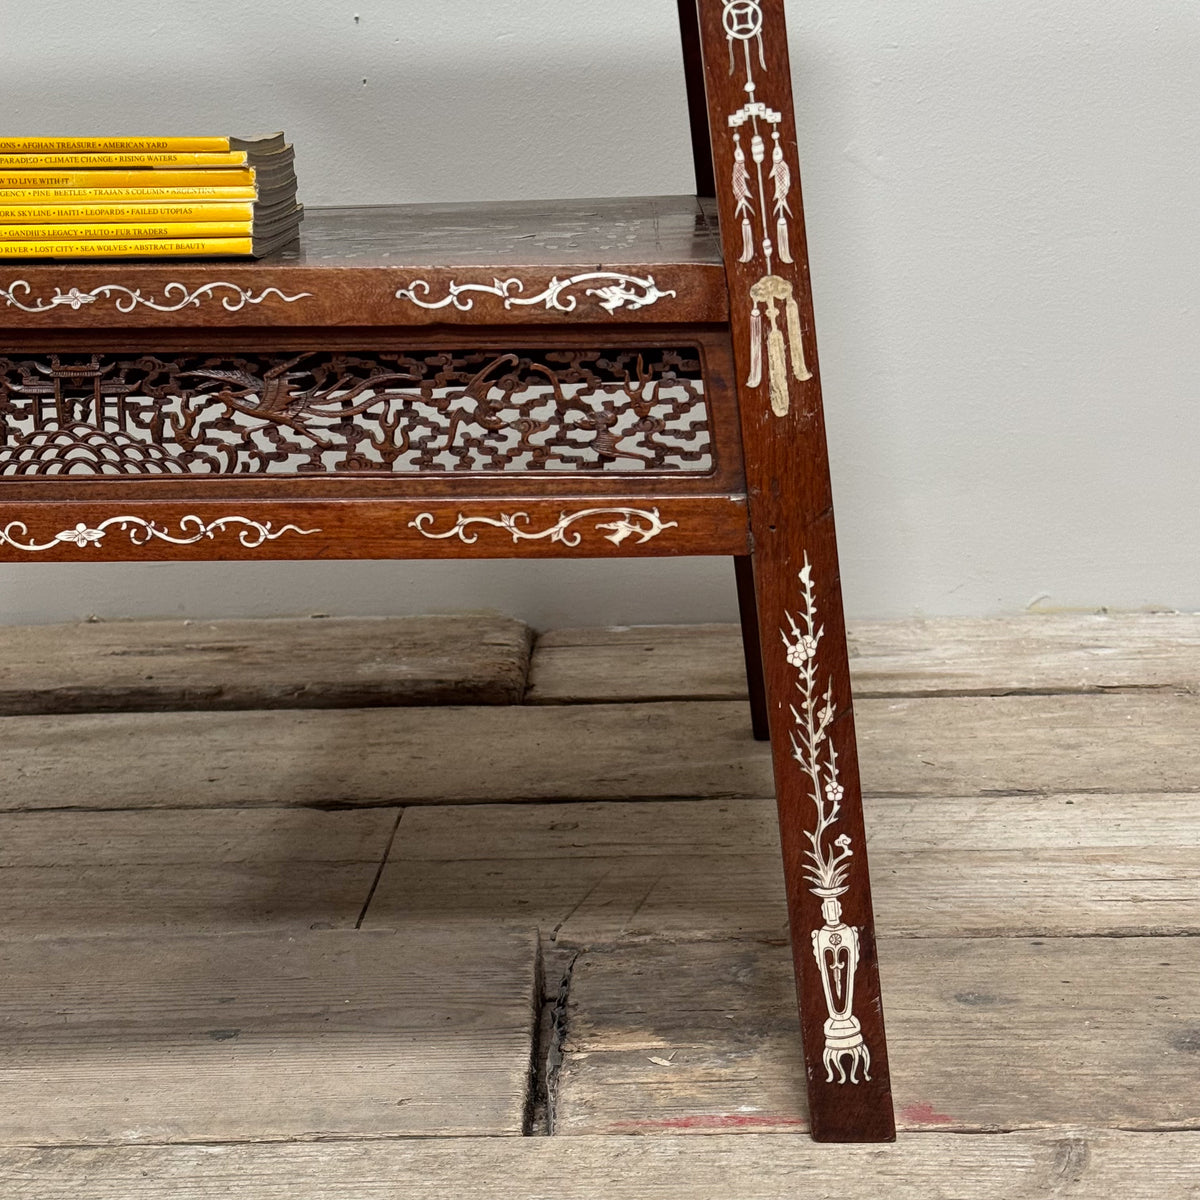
(472, 410)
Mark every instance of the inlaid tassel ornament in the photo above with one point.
(769, 291)
(777, 367)
(741, 194)
(796, 336)
(781, 176)
(755, 376)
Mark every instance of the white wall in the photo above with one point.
(1003, 203)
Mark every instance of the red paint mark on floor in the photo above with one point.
(923, 1114)
(716, 1121)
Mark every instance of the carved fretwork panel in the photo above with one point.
(624, 410)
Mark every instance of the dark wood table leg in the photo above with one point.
(821, 828)
(795, 564)
(743, 570)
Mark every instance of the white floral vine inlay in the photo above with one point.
(192, 529)
(618, 291)
(643, 524)
(772, 296)
(835, 944)
(176, 296)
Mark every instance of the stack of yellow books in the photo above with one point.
(144, 197)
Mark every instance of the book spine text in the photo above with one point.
(133, 145)
(124, 233)
(56, 195)
(89, 162)
(159, 248)
(125, 214)
(238, 177)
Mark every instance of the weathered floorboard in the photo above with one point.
(251, 1036)
(942, 867)
(484, 659)
(657, 828)
(179, 870)
(1063, 652)
(967, 745)
(631, 663)
(377, 756)
(1072, 1163)
(295, 663)
(582, 902)
(949, 656)
(595, 872)
(983, 1034)
(918, 747)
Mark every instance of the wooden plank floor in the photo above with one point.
(311, 953)
(248, 1037)
(119, 666)
(1067, 1163)
(953, 657)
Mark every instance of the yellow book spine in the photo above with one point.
(141, 232)
(158, 248)
(239, 177)
(89, 162)
(50, 215)
(124, 194)
(118, 145)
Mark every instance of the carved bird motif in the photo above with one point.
(484, 409)
(273, 388)
(278, 401)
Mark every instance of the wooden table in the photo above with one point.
(586, 378)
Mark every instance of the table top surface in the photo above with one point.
(608, 232)
(639, 260)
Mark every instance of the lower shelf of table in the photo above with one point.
(595, 526)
